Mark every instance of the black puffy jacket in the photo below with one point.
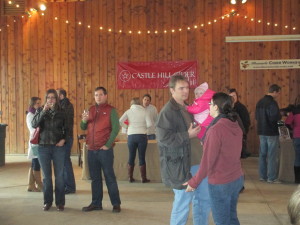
(267, 115)
(52, 126)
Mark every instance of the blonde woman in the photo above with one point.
(34, 175)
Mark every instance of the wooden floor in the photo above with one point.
(261, 203)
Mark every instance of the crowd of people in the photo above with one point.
(217, 121)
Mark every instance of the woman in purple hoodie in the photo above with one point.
(221, 161)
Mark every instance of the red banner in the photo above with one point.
(145, 75)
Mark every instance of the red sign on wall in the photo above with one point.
(145, 75)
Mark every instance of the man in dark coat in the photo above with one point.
(66, 105)
(267, 115)
(245, 118)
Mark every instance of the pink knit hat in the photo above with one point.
(202, 87)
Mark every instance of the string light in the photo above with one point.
(43, 7)
(232, 13)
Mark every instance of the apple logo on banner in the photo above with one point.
(125, 75)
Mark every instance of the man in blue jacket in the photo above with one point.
(267, 115)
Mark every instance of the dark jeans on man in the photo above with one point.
(103, 160)
(46, 154)
(35, 165)
(69, 178)
(134, 142)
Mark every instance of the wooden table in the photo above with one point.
(287, 157)
(121, 159)
(152, 162)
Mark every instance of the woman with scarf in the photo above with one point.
(34, 175)
(53, 131)
(221, 161)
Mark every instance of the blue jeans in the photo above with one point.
(200, 202)
(103, 160)
(223, 199)
(35, 165)
(268, 157)
(46, 154)
(297, 151)
(151, 137)
(137, 141)
(68, 170)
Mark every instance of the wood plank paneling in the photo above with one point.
(42, 52)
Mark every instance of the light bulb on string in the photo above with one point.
(244, 1)
(233, 2)
(42, 7)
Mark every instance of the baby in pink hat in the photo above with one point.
(200, 107)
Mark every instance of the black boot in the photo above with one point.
(130, 173)
(297, 174)
(143, 174)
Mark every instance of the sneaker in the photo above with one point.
(276, 181)
(262, 180)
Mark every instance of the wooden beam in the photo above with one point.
(262, 38)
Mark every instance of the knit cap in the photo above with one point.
(202, 87)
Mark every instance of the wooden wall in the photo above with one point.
(41, 52)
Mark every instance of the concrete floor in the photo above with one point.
(261, 203)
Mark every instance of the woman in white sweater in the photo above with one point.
(34, 176)
(139, 121)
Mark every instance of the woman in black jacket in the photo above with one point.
(52, 122)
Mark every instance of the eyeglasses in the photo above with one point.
(51, 97)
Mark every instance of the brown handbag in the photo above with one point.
(35, 136)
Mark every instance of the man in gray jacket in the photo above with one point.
(174, 131)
